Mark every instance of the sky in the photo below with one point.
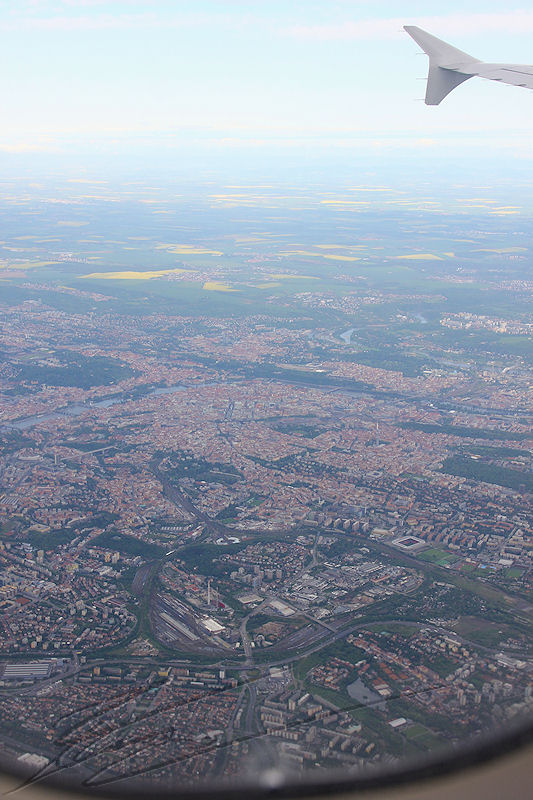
(242, 74)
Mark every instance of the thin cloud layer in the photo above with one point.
(514, 22)
(87, 15)
(249, 70)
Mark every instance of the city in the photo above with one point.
(263, 501)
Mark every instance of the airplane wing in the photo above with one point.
(449, 67)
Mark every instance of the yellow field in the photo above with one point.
(310, 254)
(25, 264)
(106, 197)
(344, 203)
(132, 275)
(247, 239)
(215, 286)
(421, 257)
(90, 181)
(71, 224)
(503, 250)
(480, 205)
(339, 246)
(300, 253)
(267, 285)
(188, 250)
(294, 277)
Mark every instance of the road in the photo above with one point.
(245, 638)
(359, 626)
(250, 722)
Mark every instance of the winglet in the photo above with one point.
(444, 59)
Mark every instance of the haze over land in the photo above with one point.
(270, 438)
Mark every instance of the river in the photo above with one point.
(76, 409)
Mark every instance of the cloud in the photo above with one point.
(53, 6)
(514, 22)
(86, 15)
(62, 22)
(26, 147)
(69, 15)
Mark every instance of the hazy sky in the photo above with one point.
(271, 69)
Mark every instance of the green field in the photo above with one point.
(127, 544)
(407, 631)
(514, 572)
(463, 431)
(436, 556)
(489, 473)
(423, 737)
(490, 634)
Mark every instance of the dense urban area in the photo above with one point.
(265, 501)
